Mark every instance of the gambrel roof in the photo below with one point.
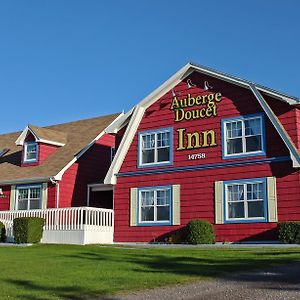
(134, 116)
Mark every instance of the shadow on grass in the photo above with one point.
(67, 292)
(215, 264)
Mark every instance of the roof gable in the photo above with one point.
(138, 111)
(81, 135)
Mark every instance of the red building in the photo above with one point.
(206, 145)
(50, 172)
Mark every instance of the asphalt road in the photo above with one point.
(281, 282)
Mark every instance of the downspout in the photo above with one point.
(56, 183)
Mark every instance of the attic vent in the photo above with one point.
(3, 151)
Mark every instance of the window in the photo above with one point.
(154, 205)
(30, 152)
(29, 197)
(155, 147)
(245, 200)
(243, 136)
(112, 153)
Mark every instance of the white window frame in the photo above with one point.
(155, 205)
(244, 152)
(30, 160)
(156, 162)
(28, 187)
(244, 183)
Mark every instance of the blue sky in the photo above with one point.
(68, 60)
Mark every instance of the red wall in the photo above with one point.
(90, 168)
(44, 150)
(5, 199)
(197, 187)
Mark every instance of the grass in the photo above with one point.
(76, 272)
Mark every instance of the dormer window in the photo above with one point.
(30, 152)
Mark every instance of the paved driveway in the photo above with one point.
(281, 282)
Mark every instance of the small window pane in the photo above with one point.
(255, 209)
(147, 198)
(22, 204)
(163, 197)
(253, 143)
(35, 193)
(163, 213)
(147, 156)
(22, 194)
(163, 154)
(31, 152)
(236, 210)
(252, 127)
(147, 213)
(35, 204)
(234, 146)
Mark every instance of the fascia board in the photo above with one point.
(246, 83)
(121, 153)
(25, 181)
(59, 175)
(295, 156)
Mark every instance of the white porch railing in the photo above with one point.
(67, 221)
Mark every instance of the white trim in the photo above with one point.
(119, 122)
(59, 175)
(21, 139)
(160, 91)
(28, 187)
(25, 152)
(50, 142)
(134, 122)
(294, 154)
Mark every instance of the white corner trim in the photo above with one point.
(59, 175)
(294, 154)
(50, 142)
(120, 122)
(21, 139)
(120, 155)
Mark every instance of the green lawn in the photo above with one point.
(75, 272)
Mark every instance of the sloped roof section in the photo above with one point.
(134, 116)
(76, 135)
(43, 135)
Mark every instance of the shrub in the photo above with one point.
(289, 232)
(200, 232)
(2, 232)
(28, 230)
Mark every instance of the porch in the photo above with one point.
(73, 225)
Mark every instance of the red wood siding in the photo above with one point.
(197, 187)
(45, 151)
(51, 203)
(5, 199)
(90, 168)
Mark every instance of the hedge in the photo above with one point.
(200, 232)
(28, 230)
(289, 232)
(2, 233)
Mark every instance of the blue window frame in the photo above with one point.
(154, 206)
(31, 150)
(28, 197)
(155, 147)
(245, 200)
(243, 136)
